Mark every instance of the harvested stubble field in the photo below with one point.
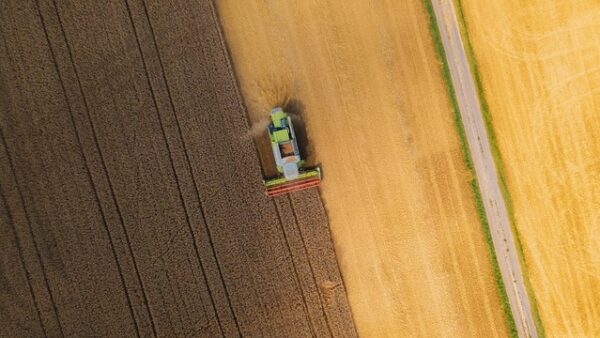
(131, 201)
(365, 77)
(539, 65)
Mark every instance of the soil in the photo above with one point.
(132, 203)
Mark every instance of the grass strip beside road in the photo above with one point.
(437, 41)
(500, 168)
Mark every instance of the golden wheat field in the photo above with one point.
(366, 80)
(540, 67)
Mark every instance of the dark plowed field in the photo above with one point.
(131, 203)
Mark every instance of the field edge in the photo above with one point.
(499, 162)
(437, 42)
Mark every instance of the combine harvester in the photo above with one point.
(292, 176)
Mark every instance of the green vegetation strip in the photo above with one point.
(500, 167)
(437, 41)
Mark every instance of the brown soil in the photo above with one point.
(131, 202)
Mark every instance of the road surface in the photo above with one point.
(495, 208)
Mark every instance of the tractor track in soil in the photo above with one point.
(130, 204)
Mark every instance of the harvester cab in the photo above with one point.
(290, 165)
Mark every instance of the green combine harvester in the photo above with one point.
(293, 177)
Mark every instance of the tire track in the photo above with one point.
(142, 203)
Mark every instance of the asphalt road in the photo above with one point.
(495, 208)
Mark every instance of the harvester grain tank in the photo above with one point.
(290, 165)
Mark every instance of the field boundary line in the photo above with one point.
(500, 167)
(439, 48)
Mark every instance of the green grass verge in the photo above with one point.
(437, 42)
(500, 167)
